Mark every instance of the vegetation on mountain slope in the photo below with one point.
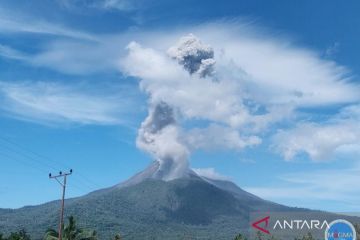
(151, 209)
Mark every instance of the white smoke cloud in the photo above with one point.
(237, 87)
(159, 135)
(219, 137)
(210, 173)
(194, 96)
(183, 85)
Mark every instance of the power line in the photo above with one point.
(26, 163)
(39, 159)
(19, 153)
(33, 163)
(7, 156)
(28, 150)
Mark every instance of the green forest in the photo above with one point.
(72, 232)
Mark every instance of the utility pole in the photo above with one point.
(63, 185)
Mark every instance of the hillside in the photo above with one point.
(145, 207)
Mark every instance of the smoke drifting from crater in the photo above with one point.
(160, 133)
(196, 102)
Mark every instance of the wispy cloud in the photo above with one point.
(69, 57)
(338, 186)
(271, 70)
(120, 5)
(77, 57)
(321, 141)
(11, 22)
(8, 52)
(262, 79)
(332, 50)
(49, 103)
(123, 5)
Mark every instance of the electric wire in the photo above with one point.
(37, 161)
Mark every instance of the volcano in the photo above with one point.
(147, 207)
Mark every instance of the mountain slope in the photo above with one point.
(146, 207)
(152, 208)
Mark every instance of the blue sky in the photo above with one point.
(288, 94)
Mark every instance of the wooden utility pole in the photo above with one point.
(63, 185)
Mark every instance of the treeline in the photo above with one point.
(70, 232)
(21, 235)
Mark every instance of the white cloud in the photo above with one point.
(332, 50)
(269, 70)
(279, 71)
(124, 5)
(260, 79)
(121, 5)
(50, 103)
(8, 52)
(11, 22)
(210, 173)
(76, 57)
(70, 57)
(321, 140)
(325, 186)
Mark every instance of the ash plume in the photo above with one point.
(159, 135)
(160, 132)
(195, 56)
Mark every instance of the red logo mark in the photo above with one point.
(256, 224)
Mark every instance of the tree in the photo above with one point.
(21, 235)
(71, 232)
(240, 237)
(308, 236)
(117, 237)
(259, 235)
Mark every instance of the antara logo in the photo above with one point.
(301, 224)
(257, 223)
(263, 224)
